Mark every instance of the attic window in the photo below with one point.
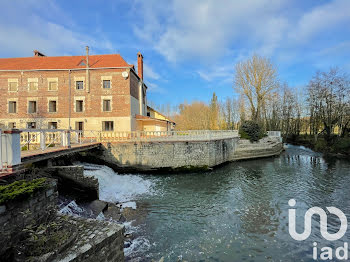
(82, 63)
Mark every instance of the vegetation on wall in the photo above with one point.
(20, 189)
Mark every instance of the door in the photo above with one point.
(79, 126)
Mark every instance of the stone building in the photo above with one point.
(92, 92)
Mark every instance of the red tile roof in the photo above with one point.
(61, 62)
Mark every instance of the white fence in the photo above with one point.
(191, 135)
(48, 137)
(274, 133)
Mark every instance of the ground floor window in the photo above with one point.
(52, 125)
(31, 125)
(12, 125)
(107, 125)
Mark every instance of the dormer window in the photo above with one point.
(82, 63)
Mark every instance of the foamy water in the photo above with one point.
(125, 189)
(118, 188)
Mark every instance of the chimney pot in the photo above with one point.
(38, 53)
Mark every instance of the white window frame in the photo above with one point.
(106, 78)
(76, 98)
(33, 80)
(52, 80)
(111, 103)
(12, 80)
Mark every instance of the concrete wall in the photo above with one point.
(170, 155)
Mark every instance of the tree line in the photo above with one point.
(322, 108)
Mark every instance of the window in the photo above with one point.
(52, 106)
(106, 105)
(79, 85)
(12, 124)
(149, 114)
(107, 125)
(12, 107)
(33, 86)
(53, 86)
(79, 106)
(106, 83)
(32, 107)
(31, 125)
(52, 125)
(13, 86)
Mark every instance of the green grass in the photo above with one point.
(20, 189)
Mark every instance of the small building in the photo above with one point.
(91, 92)
(154, 121)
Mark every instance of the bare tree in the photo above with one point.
(256, 78)
(328, 97)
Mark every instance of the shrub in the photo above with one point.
(251, 130)
(20, 189)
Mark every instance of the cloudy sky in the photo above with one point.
(190, 47)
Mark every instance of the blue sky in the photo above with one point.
(190, 47)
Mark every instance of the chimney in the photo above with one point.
(87, 56)
(140, 65)
(37, 53)
(87, 80)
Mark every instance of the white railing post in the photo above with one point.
(1, 166)
(11, 147)
(42, 140)
(68, 138)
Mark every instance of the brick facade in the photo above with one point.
(35, 84)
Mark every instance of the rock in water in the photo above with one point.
(98, 206)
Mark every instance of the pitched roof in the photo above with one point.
(62, 62)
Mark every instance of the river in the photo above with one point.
(237, 212)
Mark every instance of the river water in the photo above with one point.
(238, 212)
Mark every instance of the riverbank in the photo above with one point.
(338, 147)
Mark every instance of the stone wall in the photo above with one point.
(18, 214)
(73, 177)
(266, 147)
(170, 155)
(96, 241)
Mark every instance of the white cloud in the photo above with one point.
(321, 18)
(223, 72)
(149, 72)
(154, 88)
(206, 30)
(26, 31)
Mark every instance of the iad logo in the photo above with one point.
(323, 222)
(326, 252)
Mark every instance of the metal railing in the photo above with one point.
(274, 133)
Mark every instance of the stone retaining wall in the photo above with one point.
(170, 155)
(266, 147)
(18, 214)
(96, 241)
(72, 177)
